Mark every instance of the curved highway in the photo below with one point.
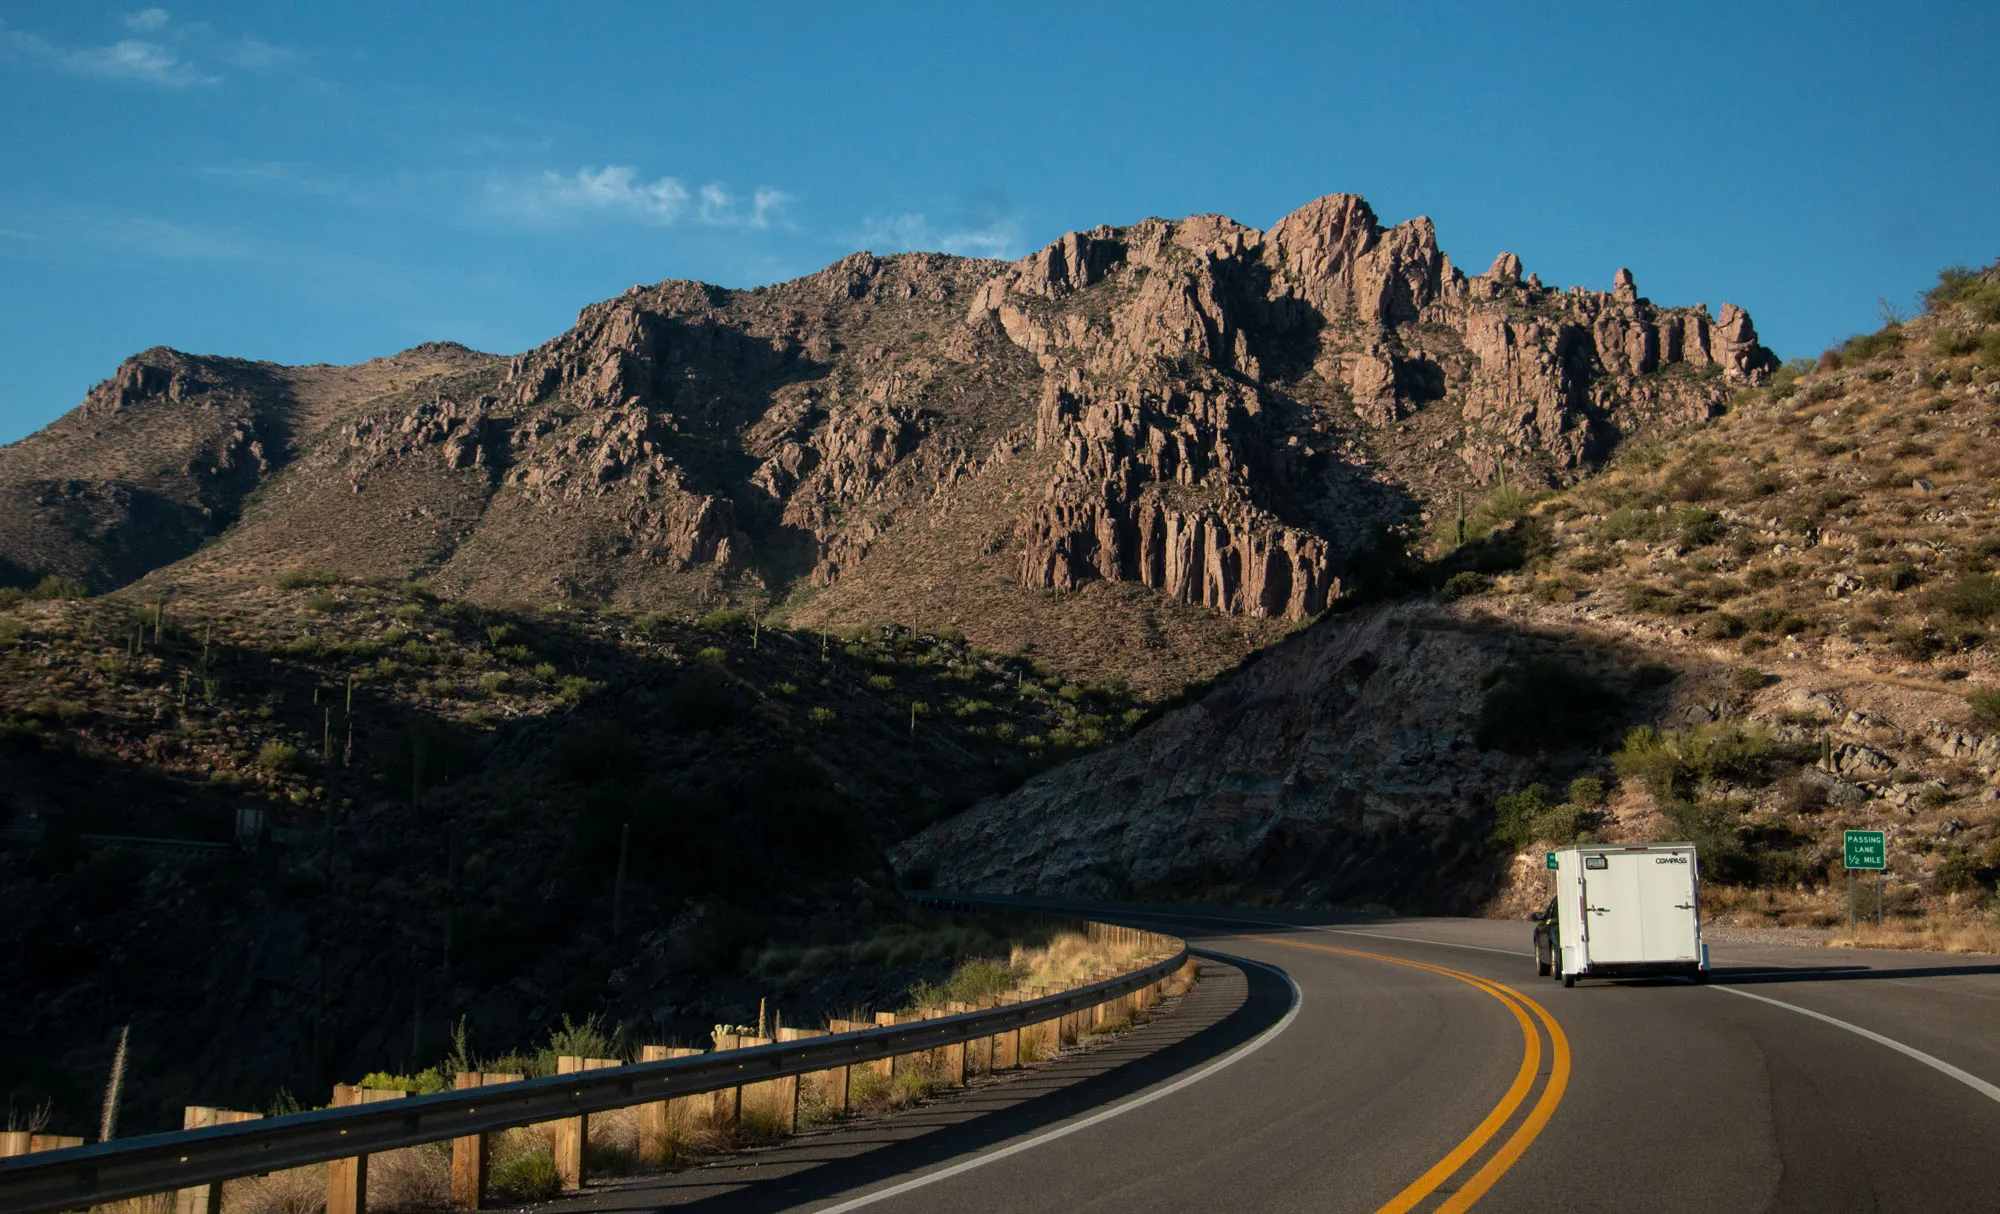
(1419, 1065)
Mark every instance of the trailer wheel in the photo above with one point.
(1569, 979)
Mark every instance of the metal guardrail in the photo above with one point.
(156, 1163)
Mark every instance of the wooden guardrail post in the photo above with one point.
(769, 1103)
(663, 1121)
(14, 1142)
(840, 1080)
(886, 1067)
(798, 1081)
(1007, 1046)
(472, 1154)
(954, 1055)
(205, 1198)
(572, 1134)
(347, 1179)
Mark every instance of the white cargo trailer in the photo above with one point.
(1624, 910)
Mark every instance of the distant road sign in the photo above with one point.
(1549, 860)
(1866, 849)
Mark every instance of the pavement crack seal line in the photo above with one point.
(1530, 1128)
(1062, 1131)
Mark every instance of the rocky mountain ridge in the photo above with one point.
(1143, 450)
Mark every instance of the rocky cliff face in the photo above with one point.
(1342, 763)
(1110, 449)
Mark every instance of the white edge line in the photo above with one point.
(1939, 1065)
(979, 1161)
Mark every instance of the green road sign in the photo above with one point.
(1549, 860)
(1866, 848)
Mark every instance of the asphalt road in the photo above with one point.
(1419, 1064)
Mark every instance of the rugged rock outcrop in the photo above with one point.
(1213, 416)
(1343, 759)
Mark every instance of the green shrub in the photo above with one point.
(1465, 584)
(1749, 679)
(322, 601)
(299, 579)
(423, 1083)
(494, 682)
(1866, 347)
(1720, 626)
(1552, 590)
(1649, 675)
(1624, 523)
(1654, 600)
(1954, 343)
(1985, 707)
(1915, 643)
(543, 670)
(821, 716)
(1672, 764)
(1974, 596)
(974, 978)
(408, 612)
(785, 688)
(1529, 815)
(1715, 828)
(725, 619)
(1698, 528)
(417, 589)
(1975, 290)
(11, 632)
(1588, 792)
(1542, 704)
(654, 624)
(54, 587)
(276, 756)
(881, 682)
(712, 655)
(527, 1176)
(575, 687)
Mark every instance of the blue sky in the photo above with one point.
(327, 183)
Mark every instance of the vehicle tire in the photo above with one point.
(1569, 979)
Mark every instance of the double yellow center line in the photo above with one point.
(1524, 1134)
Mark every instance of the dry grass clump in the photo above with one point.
(292, 1191)
(1074, 957)
(414, 1178)
(1931, 936)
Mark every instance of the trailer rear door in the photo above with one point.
(1611, 899)
(1666, 906)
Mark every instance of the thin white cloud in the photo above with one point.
(618, 190)
(253, 54)
(994, 236)
(156, 54)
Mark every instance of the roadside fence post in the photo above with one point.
(472, 1153)
(347, 1179)
(206, 1198)
(572, 1134)
(661, 1122)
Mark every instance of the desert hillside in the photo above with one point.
(1754, 633)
